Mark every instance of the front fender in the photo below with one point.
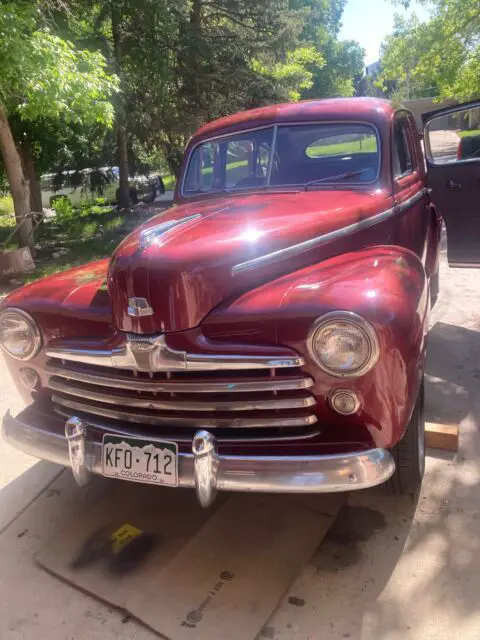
(387, 286)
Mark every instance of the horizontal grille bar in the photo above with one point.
(229, 436)
(196, 421)
(152, 353)
(180, 404)
(177, 386)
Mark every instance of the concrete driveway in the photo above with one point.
(444, 145)
(388, 569)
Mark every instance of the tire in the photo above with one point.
(434, 288)
(409, 453)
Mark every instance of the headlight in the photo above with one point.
(19, 335)
(343, 344)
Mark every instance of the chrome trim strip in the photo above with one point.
(151, 353)
(178, 436)
(177, 386)
(270, 474)
(338, 234)
(318, 241)
(142, 402)
(409, 202)
(176, 420)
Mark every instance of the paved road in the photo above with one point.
(389, 569)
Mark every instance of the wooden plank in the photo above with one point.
(441, 436)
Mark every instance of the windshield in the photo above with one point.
(298, 156)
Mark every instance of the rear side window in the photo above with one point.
(402, 161)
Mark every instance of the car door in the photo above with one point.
(452, 148)
(411, 221)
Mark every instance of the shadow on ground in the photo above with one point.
(452, 373)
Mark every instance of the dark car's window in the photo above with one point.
(294, 155)
(402, 162)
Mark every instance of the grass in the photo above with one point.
(83, 252)
(369, 145)
(89, 233)
(169, 182)
(473, 132)
(7, 218)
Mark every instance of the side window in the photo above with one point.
(414, 142)
(402, 161)
(263, 158)
(238, 162)
(201, 177)
(454, 136)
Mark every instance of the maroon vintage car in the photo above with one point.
(266, 333)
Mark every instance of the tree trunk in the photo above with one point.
(18, 185)
(30, 173)
(122, 146)
(194, 62)
(122, 158)
(173, 156)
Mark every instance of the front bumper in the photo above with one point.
(207, 471)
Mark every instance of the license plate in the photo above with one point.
(140, 460)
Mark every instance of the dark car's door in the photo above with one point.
(452, 148)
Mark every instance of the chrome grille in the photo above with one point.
(275, 401)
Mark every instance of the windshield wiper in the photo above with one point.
(340, 176)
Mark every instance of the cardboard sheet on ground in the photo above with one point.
(216, 573)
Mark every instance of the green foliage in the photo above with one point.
(205, 59)
(6, 206)
(63, 207)
(43, 75)
(440, 57)
(296, 74)
(180, 64)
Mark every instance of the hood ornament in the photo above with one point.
(153, 235)
(138, 307)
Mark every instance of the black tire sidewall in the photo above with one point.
(409, 453)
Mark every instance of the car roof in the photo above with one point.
(373, 110)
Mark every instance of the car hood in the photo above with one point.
(183, 263)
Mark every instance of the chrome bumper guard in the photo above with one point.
(208, 471)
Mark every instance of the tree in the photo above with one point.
(184, 63)
(343, 64)
(196, 60)
(51, 145)
(42, 74)
(440, 57)
(341, 60)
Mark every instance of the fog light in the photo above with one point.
(345, 402)
(29, 378)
